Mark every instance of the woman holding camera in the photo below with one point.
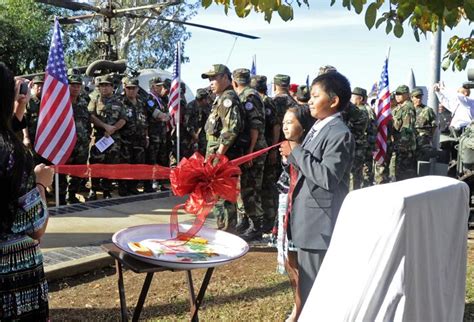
(23, 214)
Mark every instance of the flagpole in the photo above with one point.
(178, 125)
(56, 188)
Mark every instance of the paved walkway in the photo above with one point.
(72, 241)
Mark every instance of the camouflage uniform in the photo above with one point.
(157, 116)
(80, 154)
(425, 125)
(282, 100)
(270, 193)
(187, 127)
(109, 110)
(31, 118)
(404, 138)
(223, 127)
(133, 137)
(251, 179)
(382, 171)
(202, 113)
(357, 120)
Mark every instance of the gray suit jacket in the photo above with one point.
(323, 165)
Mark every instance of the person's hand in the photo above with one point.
(21, 100)
(27, 142)
(109, 129)
(287, 147)
(44, 174)
(147, 142)
(438, 86)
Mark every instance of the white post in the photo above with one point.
(56, 188)
(178, 113)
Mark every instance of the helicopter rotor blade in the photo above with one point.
(71, 5)
(230, 32)
(150, 6)
(75, 19)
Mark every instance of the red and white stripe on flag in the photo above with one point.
(384, 115)
(175, 90)
(56, 131)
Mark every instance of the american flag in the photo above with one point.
(175, 90)
(253, 69)
(384, 115)
(56, 131)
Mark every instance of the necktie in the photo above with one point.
(310, 135)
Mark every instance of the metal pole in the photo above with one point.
(56, 188)
(435, 62)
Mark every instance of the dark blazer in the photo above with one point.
(323, 165)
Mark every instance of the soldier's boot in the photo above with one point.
(107, 194)
(92, 196)
(62, 200)
(243, 225)
(148, 186)
(72, 199)
(122, 189)
(253, 232)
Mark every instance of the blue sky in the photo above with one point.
(317, 36)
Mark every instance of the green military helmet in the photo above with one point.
(156, 81)
(241, 75)
(38, 79)
(416, 91)
(106, 79)
(281, 80)
(74, 79)
(302, 93)
(201, 93)
(359, 91)
(258, 81)
(402, 89)
(130, 82)
(215, 70)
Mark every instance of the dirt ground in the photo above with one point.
(248, 289)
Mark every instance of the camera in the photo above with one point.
(470, 77)
(23, 88)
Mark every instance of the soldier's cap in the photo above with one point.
(258, 81)
(201, 93)
(156, 81)
(302, 93)
(215, 70)
(281, 80)
(106, 79)
(130, 82)
(359, 91)
(241, 75)
(326, 69)
(402, 89)
(38, 79)
(416, 91)
(74, 79)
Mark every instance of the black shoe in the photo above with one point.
(149, 190)
(163, 188)
(133, 192)
(72, 200)
(242, 226)
(121, 193)
(251, 234)
(107, 195)
(92, 196)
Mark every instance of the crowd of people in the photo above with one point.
(293, 192)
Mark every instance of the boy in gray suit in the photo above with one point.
(323, 161)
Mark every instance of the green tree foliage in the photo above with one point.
(421, 16)
(24, 36)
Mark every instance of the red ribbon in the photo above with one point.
(204, 180)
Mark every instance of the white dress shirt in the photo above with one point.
(460, 106)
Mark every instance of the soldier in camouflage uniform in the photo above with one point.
(272, 136)
(31, 118)
(134, 135)
(359, 99)
(425, 126)
(187, 129)
(80, 154)
(252, 172)
(404, 134)
(108, 117)
(200, 108)
(157, 113)
(282, 98)
(223, 128)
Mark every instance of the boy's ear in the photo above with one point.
(334, 102)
